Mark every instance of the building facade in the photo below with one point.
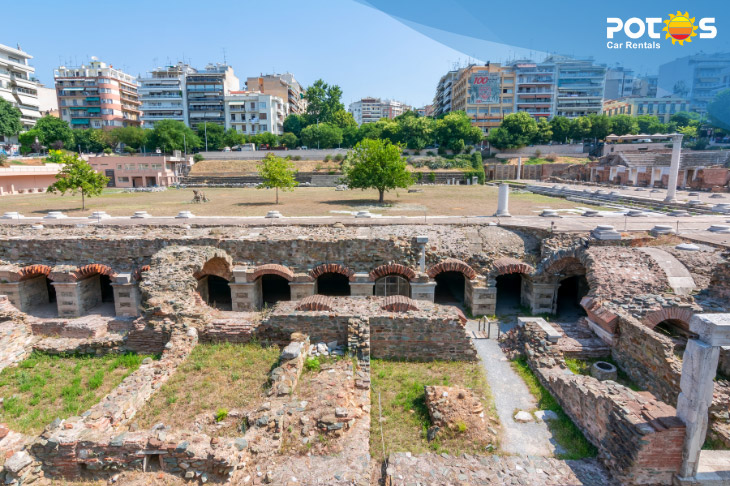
(442, 100)
(486, 93)
(579, 87)
(141, 171)
(662, 108)
(18, 86)
(698, 78)
(534, 88)
(206, 90)
(283, 86)
(163, 94)
(620, 83)
(370, 110)
(97, 96)
(251, 113)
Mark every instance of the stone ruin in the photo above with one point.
(377, 292)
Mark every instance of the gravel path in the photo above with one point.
(511, 394)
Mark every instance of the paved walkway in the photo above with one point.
(511, 394)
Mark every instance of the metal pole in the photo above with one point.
(205, 127)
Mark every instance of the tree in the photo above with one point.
(267, 138)
(324, 135)
(690, 131)
(343, 119)
(295, 123)
(684, 118)
(169, 135)
(500, 138)
(719, 110)
(561, 129)
(233, 138)
(456, 126)
(580, 128)
(370, 130)
(28, 141)
(89, 140)
(214, 134)
(277, 173)
(416, 132)
(53, 130)
(350, 136)
(544, 132)
(376, 164)
(624, 125)
(521, 129)
(323, 101)
(600, 126)
(9, 119)
(134, 137)
(288, 140)
(78, 176)
(650, 124)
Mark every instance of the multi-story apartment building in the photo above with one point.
(662, 108)
(17, 84)
(620, 83)
(580, 86)
(425, 110)
(486, 93)
(534, 88)
(442, 100)
(698, 78)
(645, 86)
(163, 94)
(97, 96)
(285, 86)
(250, 112)
(206, 91)
(370, 110)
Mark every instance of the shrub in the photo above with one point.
(297, 157)
(538, 153)
(130, 150)
(339, 158)
(327, 158)
(221, 414)
(108, 151)
(198, 157)
(468, 149)
(476, 161)
(551, 157)
(311, 364)
(432, 177)
(430, 153)
(419, 176)
(416, 152)
(441, 150)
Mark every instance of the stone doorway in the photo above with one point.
(570, 292)
(509, 293)
(274, 289)
(449, 288)
(216, 292)
(107, 292)
(334, 284)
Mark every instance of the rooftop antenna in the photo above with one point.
(224, 56)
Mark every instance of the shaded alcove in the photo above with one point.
(570, 292)
(219, 293)
(509, 293)
(334, 284)
(274, 288)
(107, 292)
(449, 288)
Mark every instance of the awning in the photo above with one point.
(27, 100)
(30, 113)
(93, 109)
(71, 88)
(92, 98)
(80, 121)
(25, 83)
(76, 107)
(8, 97)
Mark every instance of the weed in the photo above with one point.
(221, 414)
(312, 364)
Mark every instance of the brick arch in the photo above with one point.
(399, 303)
(315, 303)
(32, 271)
(680, 314)
(452, 265)
(271, 269)
(137, 275)
(92, 269)
(218, 266)
(507, 265)
(569, 265)
(320, 270)
(392, 269)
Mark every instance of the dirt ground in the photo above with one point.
(303, 201)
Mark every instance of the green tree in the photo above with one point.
(580, 128)
(456, 126)
(650, 124)
(350, 136)
(690, 131)
(134, 137)
(370, 130)
(561, 129)
(600, 126)
(500, 138)
(376, 164)
(9, 119)
(232, 138)
(343, 119)
(295, 123)
(267, 138)
(323, 101)
(390, 130)
(521, 128)
(89, 140)
(28, 141)
(53, 131)
(719, 110)
(169, 135)
(277, 173)
(76, 176)
(324, 135)
(416, 132)
(624, 125)
(288, 140)
(215, 134)
(684, 118)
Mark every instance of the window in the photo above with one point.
(392, 285)
(119, 166)
(123, 179)
(144, 166)
(156, 166)
(253, 105)
(97, 124)
(63, 111)
(507, 90)
(262, 116)
(262, 105)
(233, 117)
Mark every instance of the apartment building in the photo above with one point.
(698, 78)
(662, 108)
(442, 100)
(97, 96)
(206, 90)
(142, 171)
(283, 86)
(370, 110)
(18, 86)
(251, 113)
(579, 87)
(425, 110)
(534, 88)
(620, 83)
(486, 93)
(163, 94)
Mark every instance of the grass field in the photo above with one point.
(406, 419)
(43, 387)
(215, 377)
(304, 201)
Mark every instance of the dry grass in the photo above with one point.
(544, 159)
(239, 167)
(405, 416)
(215, 376)
(303, 201)
(42, 388)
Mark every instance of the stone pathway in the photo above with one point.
(511, 394)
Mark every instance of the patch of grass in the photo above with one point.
(566, 433)
(221, 414)
(400, 386)
(215, 377)
(45, 387)
(583, 367)
(312, 364)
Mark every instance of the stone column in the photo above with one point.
(503, 203)
(362, 286)
(126, 295)
(12, 291)
(423, 288)
(674, 168)
(422, 240)
(301, 288)
(518, 176)
(481, 296)
(68, 299)
(246, 296)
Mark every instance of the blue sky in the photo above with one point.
(397, 52)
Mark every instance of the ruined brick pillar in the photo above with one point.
(12, 291)
(68, 299)
(246, 296)
(423, 288)
(361, 286)
(126, 295)
(480, 296)
(301, 287)
(541, 294)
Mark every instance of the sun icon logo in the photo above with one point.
(680, 28)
